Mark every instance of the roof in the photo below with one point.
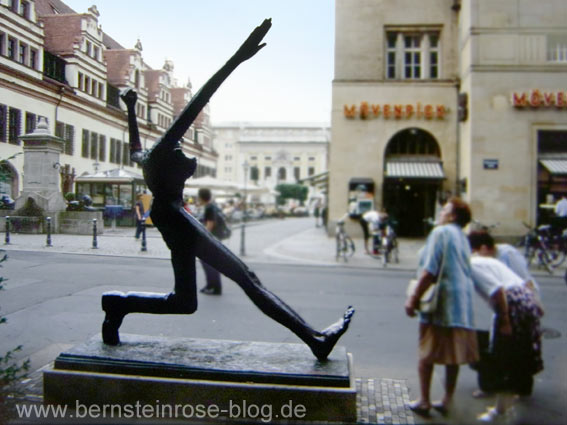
(555, 166)
(415, 169)
(116, 175)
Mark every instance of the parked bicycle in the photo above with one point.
(545, 245)
(344, 243)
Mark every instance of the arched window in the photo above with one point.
(282, 173)
(412, 142)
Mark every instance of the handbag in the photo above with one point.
(428, 301)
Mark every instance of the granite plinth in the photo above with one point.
(216, 373)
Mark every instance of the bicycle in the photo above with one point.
(385, 245)
(550, 249)
(344, 243)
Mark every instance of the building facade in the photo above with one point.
(274, 152)
(59, 64)
(450, 97)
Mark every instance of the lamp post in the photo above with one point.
(246, 166)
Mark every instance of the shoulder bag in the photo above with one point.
(428, 301)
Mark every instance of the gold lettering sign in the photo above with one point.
(396, 111)
(539, 99)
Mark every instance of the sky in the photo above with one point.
(289, 80)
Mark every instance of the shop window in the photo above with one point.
(413, 142)
(412, 55)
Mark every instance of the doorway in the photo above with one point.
(413, 175)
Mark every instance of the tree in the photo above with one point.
(291, 191)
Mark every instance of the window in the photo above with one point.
(412, 55)
(14, 125)
(94, 146)
(95, 53)
(296, 158)
(67, 133)
(557, 48)
(33, 58)
(311, 171)
(126, 154)
(30, 122)
(296, 173)
(85, 144)
(3, 122)
(22, 53)
(80, 83)
(25, 9)
(102, 148)
(253, 158)
(268, 158)
(88, 48)
(282, 175)
(2, 38)
(115, 151)
(311, 158)
(11, 52)
(267, 172)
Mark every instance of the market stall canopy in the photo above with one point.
(415, 170)
(116, 175)
(211, 183)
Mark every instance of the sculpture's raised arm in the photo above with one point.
(247, 50)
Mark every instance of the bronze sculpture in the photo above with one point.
(165, 170)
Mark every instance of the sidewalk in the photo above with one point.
(309, 247)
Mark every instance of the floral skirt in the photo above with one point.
(520, 353)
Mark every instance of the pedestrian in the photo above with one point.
(484, 243)
(140, 219)
(165, 169)
(209, 220)
(561, 214)
(369, 222)
(317, 213)
(447, 336)
(515, 335)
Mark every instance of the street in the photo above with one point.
(52, 301)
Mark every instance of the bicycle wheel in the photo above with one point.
(339, 247)
(555, 257)
(348, 247)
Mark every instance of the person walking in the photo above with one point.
(209, 220)
(140, 218)
(446, 336)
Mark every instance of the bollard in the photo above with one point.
(144, 243)
(7, 239)
(48, 243)
(95, 245)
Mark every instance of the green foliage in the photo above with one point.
(291, 191)
(30, 209)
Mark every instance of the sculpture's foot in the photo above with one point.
(113, 305)
(129, 97)
(325, 343)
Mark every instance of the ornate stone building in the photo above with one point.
(275, 152)
(59, 64)
(449, 97)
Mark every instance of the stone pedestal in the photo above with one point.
(212, 379)
(41, 171)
